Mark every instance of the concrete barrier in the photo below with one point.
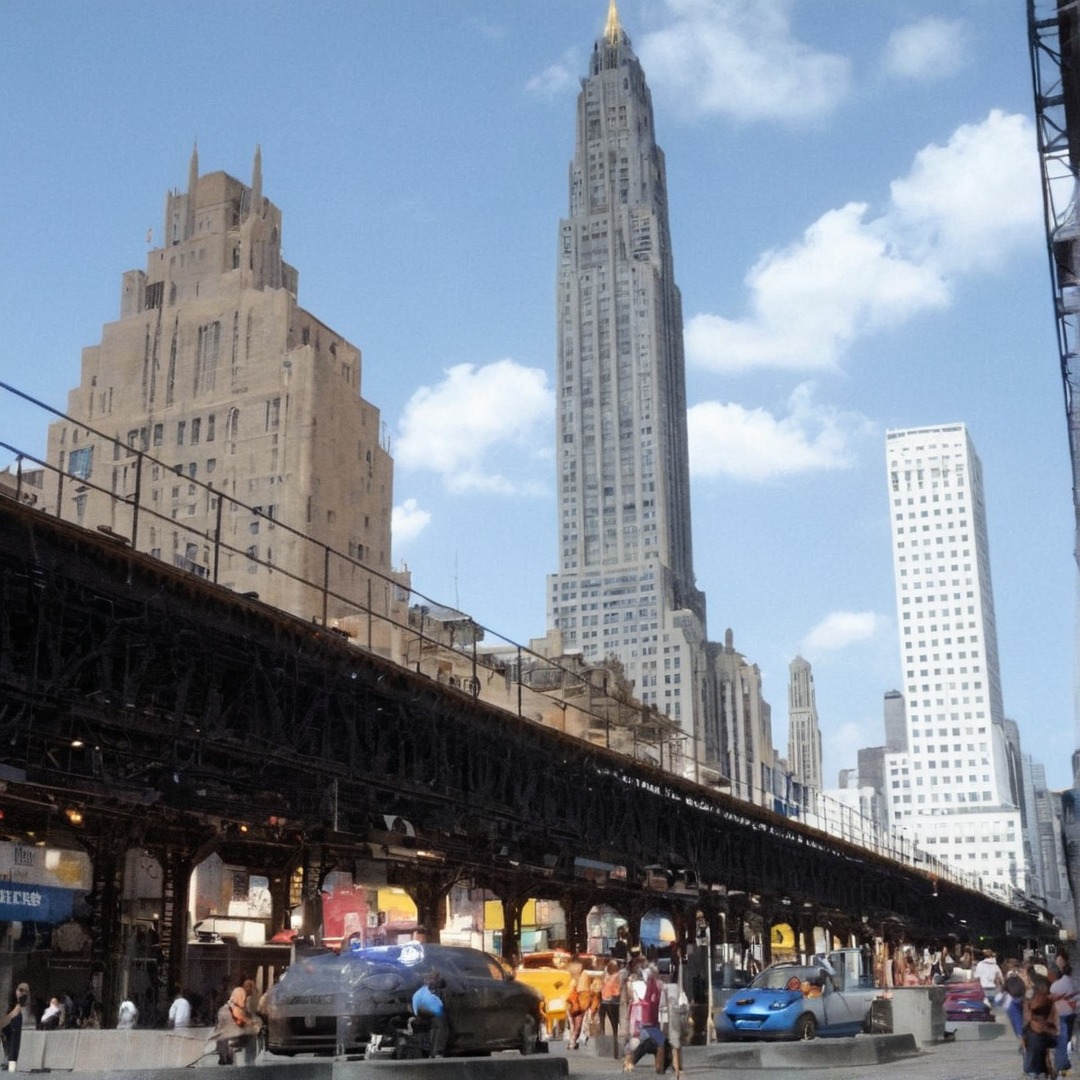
(170, 1055)
(817, 1054)
(97, 1049)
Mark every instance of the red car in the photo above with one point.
(967, 1001)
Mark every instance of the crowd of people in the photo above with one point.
(629, 995)
(235, 1035)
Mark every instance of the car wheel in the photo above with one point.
(805, 1027)
(530, 1030)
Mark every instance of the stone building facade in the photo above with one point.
(237, 417)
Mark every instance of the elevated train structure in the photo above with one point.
(162, 712)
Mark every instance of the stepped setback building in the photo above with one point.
(215, 371)
(625, 584)
(804, 734)
(952, 786)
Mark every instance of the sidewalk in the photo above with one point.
(996, 1059)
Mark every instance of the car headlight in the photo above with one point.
(779, 1005)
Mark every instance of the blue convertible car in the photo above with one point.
(793, 1001)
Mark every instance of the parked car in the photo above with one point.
(967, 1001)
(795, 1001)
(360, 1002)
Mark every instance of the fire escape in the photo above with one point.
(1054, 37)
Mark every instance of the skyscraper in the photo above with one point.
(804, 734)
(952, 786)
(215, 370)
(625, 584)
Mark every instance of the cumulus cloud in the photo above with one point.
(556, 79)
(932, 48)
(730, 58)
(408, 521)
(962, 209)
(839, 629)
(727, 439)
(479, 425)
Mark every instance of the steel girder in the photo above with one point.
(205, 719)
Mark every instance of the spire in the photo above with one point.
(613, 29)
(192, 184)
(193, 168)
(256, 181)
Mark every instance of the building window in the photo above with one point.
(206, 357)
(81, 463)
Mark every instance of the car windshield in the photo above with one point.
(787, 977)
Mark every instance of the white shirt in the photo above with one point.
(128, 1015)
(988, 973)
(180, 1013)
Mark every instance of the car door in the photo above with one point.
(468, 1000)
(838, 1009)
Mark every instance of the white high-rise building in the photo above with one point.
(951, 787)
(625, 584)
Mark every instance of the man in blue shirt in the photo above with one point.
(427, 1004)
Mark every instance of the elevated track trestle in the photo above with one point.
(188, 719)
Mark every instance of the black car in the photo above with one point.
(360, 1002)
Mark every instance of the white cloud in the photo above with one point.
(727, 57)
(408, 521)
(963, 208)
(478, 425)
(839, 629)
(556, 79)
(932, 48)
(727, 439)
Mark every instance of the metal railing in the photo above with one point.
(439, 641)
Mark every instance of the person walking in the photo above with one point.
(127, 1016)
(1041, 1029)
(989, 975)
(611, 1002)
(180, 1011)
(674, 1010)
(11, 1025)
(1062, 992)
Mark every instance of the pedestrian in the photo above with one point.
(127, 1015)
(1016, 988)
(1062, 992)
(11, 1024)
(51, 1016)
(610, 1002)
(427, 1003)
(989, 975)
(580, 1002)
(235, 1026)
(1040, 1029)
(180, 1011)
(674, 1012)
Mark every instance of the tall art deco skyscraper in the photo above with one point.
(625, 583)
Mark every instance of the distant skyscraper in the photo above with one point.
(214, 369)
(895, 721)
(804, 734)
(952, 786)
(625, 584)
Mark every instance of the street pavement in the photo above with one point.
(991, 1059)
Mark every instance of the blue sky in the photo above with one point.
(856, 220)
